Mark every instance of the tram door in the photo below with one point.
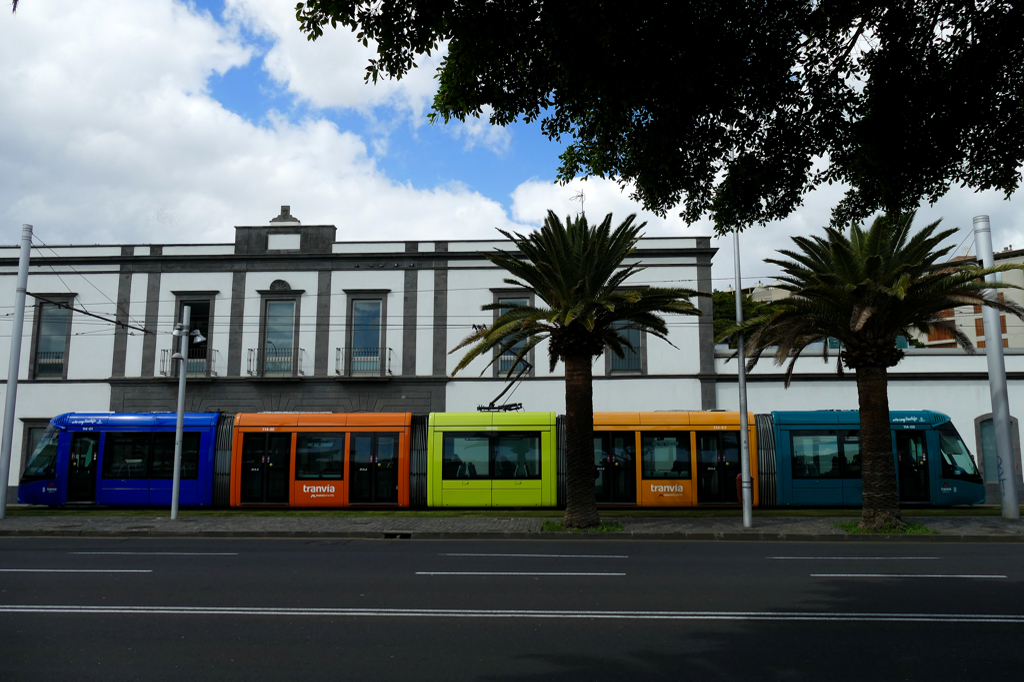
(82, 467)
(266, 460)
(912, 465)
(718, 464)
(373, 468)
(615, 464)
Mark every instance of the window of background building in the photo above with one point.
(34, 430)
(200, 303)
(367, 351)
(632, 361)
(507, 360)
(52, 338)
(279, 338)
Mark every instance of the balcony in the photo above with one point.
(277, 362)
(202, 362)
(630, 362)
(363, 362)
(49, 364)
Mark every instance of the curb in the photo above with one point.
(498, 535)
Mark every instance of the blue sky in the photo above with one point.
(171, 122)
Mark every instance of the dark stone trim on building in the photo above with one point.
(440, 354)
(322, 342)
(229, 395)
(313, 239)
(235, 323)
(124, 296)
(410, 319)
(706, 327)
(151, 324)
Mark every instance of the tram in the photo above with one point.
(485, 459)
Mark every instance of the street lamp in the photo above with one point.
(182, 331)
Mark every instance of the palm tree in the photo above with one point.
(866, 290)
(577, 272)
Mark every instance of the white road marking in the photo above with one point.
(156, 553)
(76, 570)
(506, 573)
(546, 556)
(854, 558)
(908, 575)
(497, 613)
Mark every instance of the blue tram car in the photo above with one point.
(121, 459)
(812, 459)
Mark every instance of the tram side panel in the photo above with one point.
(321, 460)
(686, 458)
(483, 459)
(121, 460)
(818, 459)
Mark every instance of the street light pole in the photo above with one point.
(15, 364)
(748, 488)
(182, 330)
(1005, 457)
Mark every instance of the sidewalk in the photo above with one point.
(950, 528)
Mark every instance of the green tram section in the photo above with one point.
(485, 459)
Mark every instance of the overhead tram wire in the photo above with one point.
(90, 283)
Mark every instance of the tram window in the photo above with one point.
(43, 462)
(816, 455)
(162, 460)
(851, 455)
(320, 456)
(126, 455)
(517, 455)
(466, 455)
(666, 454)
(956, 458)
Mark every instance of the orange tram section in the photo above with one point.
(331, 460)
(321, 460)
(686, 458)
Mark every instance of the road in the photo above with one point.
(170, 609)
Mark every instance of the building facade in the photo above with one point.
(290, 318)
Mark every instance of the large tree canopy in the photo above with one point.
(722, 106)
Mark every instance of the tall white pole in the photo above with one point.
(1005, 458)
(14, 365)
(186, 315)
(748, 488)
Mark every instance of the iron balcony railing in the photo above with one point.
(363, 362)
(629, 362)
(202, 362)
(271, 362)
(50, 364)
(506, 361)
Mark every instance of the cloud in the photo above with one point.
(328, 73)
(109, 136)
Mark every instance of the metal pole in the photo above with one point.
(1005, 458)
(748, 488)
(15, 364)
(179, 427)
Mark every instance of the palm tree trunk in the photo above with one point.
(881, 499)
(580, 499)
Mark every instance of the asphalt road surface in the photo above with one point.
(580, 609)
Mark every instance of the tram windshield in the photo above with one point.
(43, 462)
(956, 458)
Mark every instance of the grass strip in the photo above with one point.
(906, 529)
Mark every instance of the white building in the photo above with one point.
(295, 320)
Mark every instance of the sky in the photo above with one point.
(126, 122)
